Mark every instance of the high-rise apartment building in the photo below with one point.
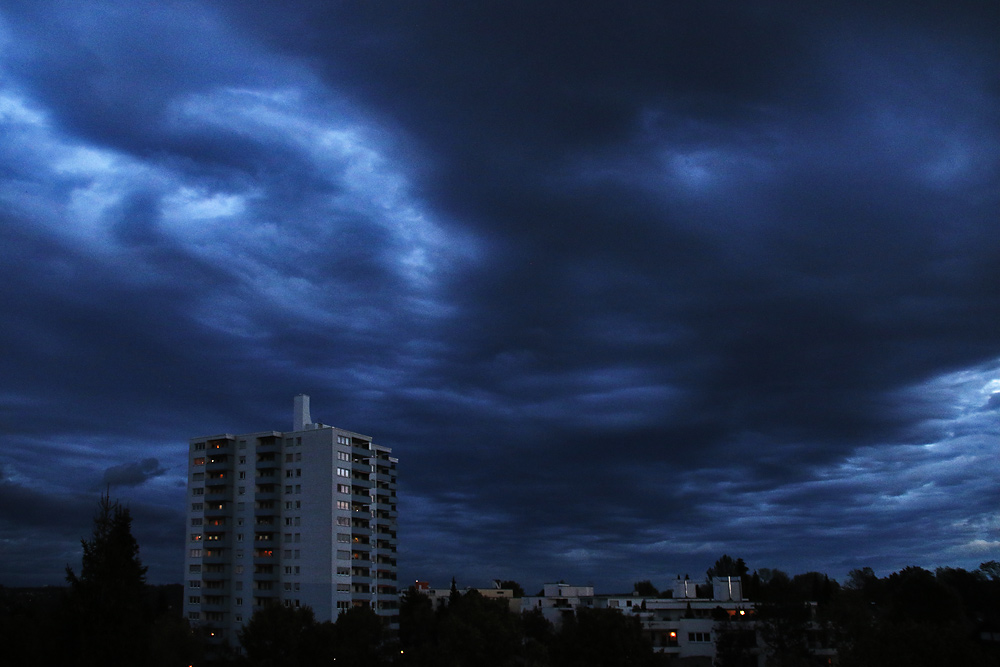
(304, 517)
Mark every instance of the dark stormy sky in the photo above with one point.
(626, 286)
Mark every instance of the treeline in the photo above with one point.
(910, 618)
(107, 616)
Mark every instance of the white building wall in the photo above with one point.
(288, 517)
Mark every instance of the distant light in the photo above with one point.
(742, 613)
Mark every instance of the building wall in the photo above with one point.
(300, 518)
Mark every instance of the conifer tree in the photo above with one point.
(109, 625)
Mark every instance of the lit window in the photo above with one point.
(343, 472)
(196, 537)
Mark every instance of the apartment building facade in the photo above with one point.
(302, 517)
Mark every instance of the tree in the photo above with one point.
(358, 634)
(727, 567)
(991, 569)
(108, 624)
(645, 589)
(514, 586)
(602, 638)
(279, 636)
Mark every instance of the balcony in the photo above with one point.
(268, 444)
(214, 603)
(217, 462)
(216, 540)
(360, 483)
(218, 445)
(215, 555)
(213, 510)
(263, 556)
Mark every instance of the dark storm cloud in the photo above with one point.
(625, 287)
(133, 474)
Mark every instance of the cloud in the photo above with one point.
(132, 474)
(622, 289)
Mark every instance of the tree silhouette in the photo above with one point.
(107, 622)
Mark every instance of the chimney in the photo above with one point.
(300, 414)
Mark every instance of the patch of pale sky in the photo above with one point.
(194, 205)
(345, 152)
(15, 111)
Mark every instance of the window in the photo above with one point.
(194, 599)
(198, 447)
(196, 537)
(194, 583)
(243, 490)
(298, 537)
(297, 554)
(343, 571)
(288, 537)
(194, 615)
(288, 457)
(195, 568)
(343, 538)
(289, 473)
(243, 474)
(197, 491)
(239, 603)
(239, 570)
(288, 520)
(343, 505)
(297, 520)
(343, 588)
(343, 472)
(343, 456)
(196, 507)
(699, 636)
(196, 521)
(288, 569)
(196, 553)
(297, 570)
(343, 440)
(298, 456)
(239, 537)
(343, 488)
(343, 555)
(343, 521)
(239, 618)
(243, 444)
(288, 585)
(239, 522)
(198, 476)
(243, 460)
